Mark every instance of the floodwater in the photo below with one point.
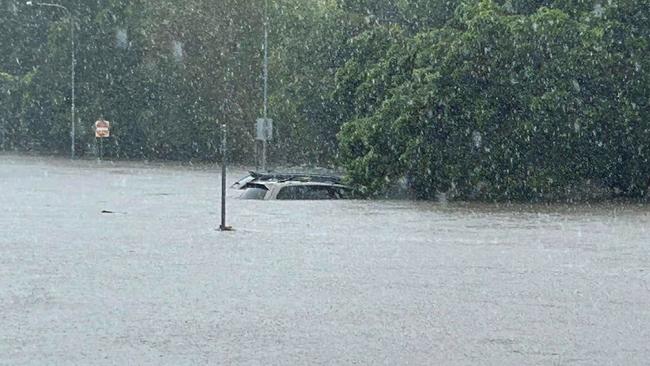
(306, 283)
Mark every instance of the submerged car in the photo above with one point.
(292, 186)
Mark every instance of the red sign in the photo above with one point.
(102, 129)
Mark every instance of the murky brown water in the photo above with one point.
(338, 282)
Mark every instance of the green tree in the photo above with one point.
(499, 106)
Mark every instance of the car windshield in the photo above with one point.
(255, 193)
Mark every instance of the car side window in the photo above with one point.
(341, 193)
(305, 192)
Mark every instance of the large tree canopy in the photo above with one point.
(492, 99)
(502, 105)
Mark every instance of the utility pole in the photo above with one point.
(72, 71)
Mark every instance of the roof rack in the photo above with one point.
(301, 177)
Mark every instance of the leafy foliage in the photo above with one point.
(483, 99)
(499, 105)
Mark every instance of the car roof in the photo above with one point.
(255, 178)
(300, 177)
(299, 183)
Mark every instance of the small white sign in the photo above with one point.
(264, 128)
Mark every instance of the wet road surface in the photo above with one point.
(322, 283)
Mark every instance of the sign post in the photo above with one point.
(264, 129)
(102, 131)
(223, 226)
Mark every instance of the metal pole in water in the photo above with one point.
(224, 161)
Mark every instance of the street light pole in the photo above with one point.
(72, 69)
(266, 77)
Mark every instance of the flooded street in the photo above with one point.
(297, 283)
